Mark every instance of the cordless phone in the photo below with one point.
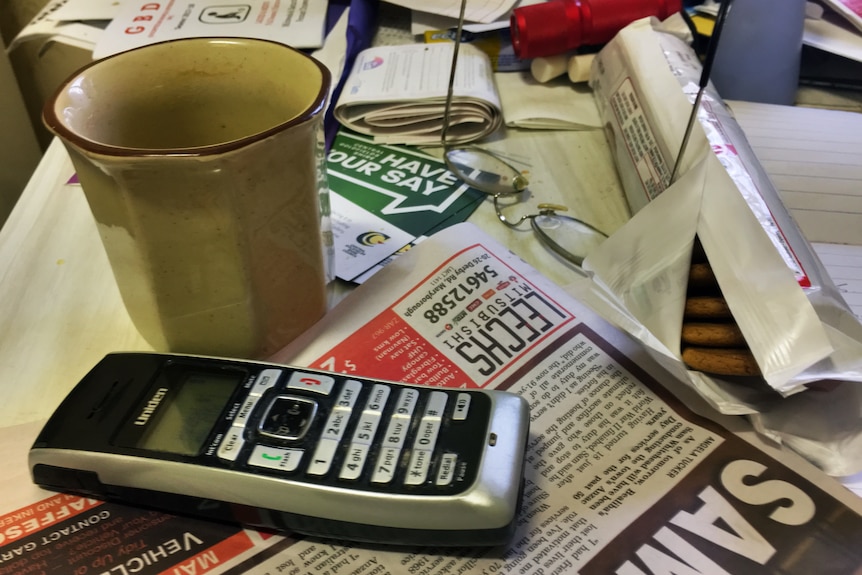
(288, 448)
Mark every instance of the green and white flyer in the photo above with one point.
(386, 198)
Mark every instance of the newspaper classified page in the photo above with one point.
(621, 477)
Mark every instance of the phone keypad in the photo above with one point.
(370, 429)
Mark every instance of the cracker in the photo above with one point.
(721, 361)
(712, 334)
(707, 307)
(710, 339)
(701, 277)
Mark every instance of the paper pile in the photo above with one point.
(397, 94)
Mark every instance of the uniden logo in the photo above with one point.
(151, 406)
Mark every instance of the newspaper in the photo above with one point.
(621, 476)
(397, 94)
(65, 534)
(554, 105)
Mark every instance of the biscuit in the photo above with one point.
(707, 307)
(701, 277)
(711, 340)
(721, 361)
(712, 334)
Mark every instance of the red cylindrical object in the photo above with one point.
(554, 27)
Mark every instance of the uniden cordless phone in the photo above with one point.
(289, 448)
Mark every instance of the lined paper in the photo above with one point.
(814, 158)
(844, 265)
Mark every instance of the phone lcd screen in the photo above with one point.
(181, 425)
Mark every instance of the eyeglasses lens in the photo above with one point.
(484, 171)
(568, 237)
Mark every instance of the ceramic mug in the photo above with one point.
(202, 162)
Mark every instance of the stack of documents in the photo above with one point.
(138, 24)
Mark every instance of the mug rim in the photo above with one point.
(51, 119)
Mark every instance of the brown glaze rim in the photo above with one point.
(49, 114)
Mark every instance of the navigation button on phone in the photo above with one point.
(288, 417)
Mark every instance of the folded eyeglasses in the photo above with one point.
(567, 236)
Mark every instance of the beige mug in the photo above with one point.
(202, 161)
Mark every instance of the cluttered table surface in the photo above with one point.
(58, 330)
(61, 311)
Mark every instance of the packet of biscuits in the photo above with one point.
(711, 273)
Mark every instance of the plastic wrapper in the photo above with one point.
(807, 342)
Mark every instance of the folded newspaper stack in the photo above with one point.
(397, 94)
